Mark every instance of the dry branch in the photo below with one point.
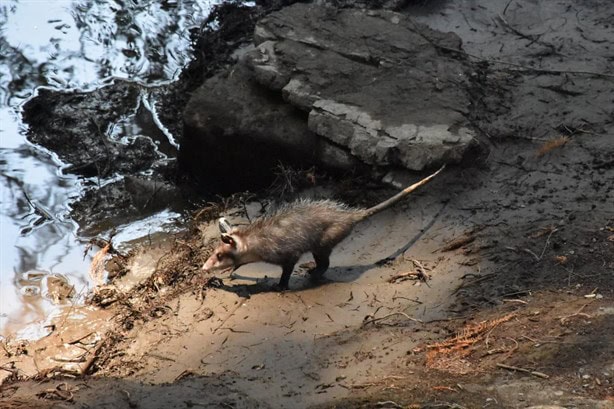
(372, 320)
(515, 368)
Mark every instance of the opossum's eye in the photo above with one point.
(219, 256)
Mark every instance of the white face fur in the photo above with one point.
(224, 256)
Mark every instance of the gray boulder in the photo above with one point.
(336, 87)
(236, 133)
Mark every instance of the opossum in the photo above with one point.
(281, 238)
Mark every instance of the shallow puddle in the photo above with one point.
(73, 45)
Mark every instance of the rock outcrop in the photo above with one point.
(237, 132)
(335, 87)
(75, 125)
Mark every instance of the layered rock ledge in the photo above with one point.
(335, 87)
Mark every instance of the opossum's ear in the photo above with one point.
(224, 226)
(227, 238)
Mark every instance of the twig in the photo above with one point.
(184, 374)
(506, 6)
(416, 275)
(575, 314)
(129, 400)
(62, 391)
(44, 213)
(562, 91)
(514, 349)
(530, 339)
(515, 300)
(164, 358)
(362, 385)
(388, 404)
(398, 297)
(531, 253)
(372, 320)
(547, 242)
(78, 340)
(236, 331)
(11, 370)
(531, 37)
(524, 370)
(94, 355)
(230, 315)
(539, 342)
(443, 388)
(421, 270)
(477, 280)
(458, 242)
(605, 164)
(190, 403)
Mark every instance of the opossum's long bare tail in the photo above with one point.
(399, 196)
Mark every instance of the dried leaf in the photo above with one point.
(551, 145)
(562, 260)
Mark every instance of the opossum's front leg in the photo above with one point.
(285, 276)
(322, 259)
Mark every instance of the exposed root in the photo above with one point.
(442, 354)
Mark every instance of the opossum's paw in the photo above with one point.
(280, 288)
(315, 274)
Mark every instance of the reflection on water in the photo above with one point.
(69, 44)
(78, 43)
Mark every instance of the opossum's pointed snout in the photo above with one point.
(209, 265)
(223, 257)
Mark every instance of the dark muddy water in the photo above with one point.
(69, 45)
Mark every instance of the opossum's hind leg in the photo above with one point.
(285, 276)
(322, 259)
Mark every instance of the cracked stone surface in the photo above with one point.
(336, 87)
(234, 123)
(371, 81)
